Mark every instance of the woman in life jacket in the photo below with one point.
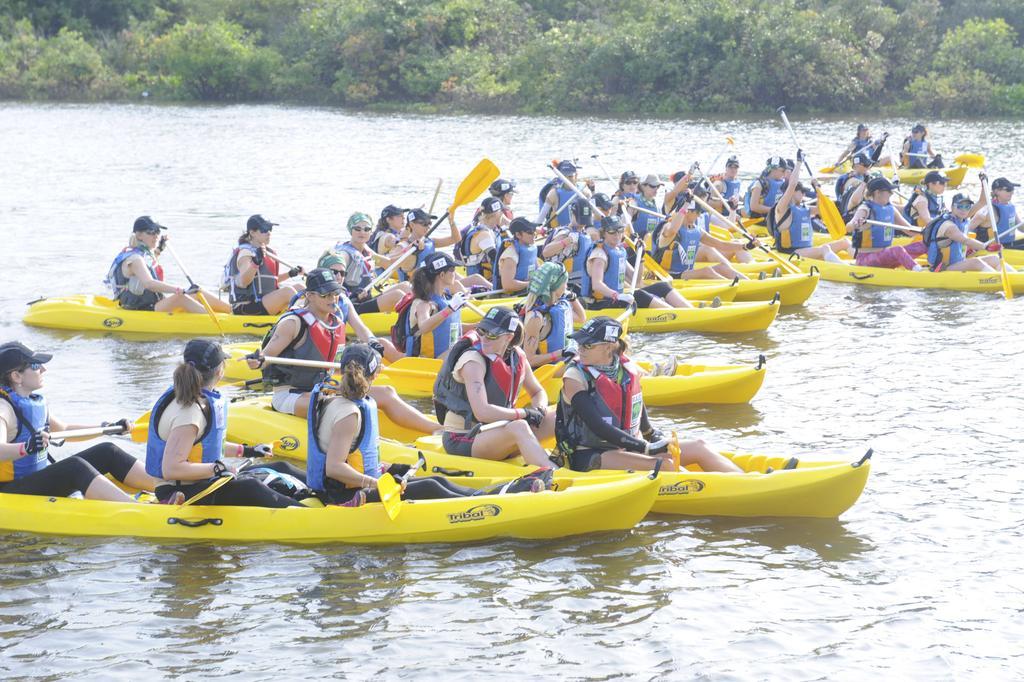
(855, 177)
(388, 231)
(863, 143)
(136, 278)
(356, 261)
(479, 384)
(1006, 214)
(791, 227)
(872, 244)
(728, 186)
(556, 201)
(571, 245)
(504, 191)
(763, 192)
(607, 271)
(550, 312)
(949, 245)
(434, 321)
(255, 277)
(644, 223)
(517, 258)
(926, 201)
(601, 419)
(343, 462)
(418, 223)
(480, 239)
(917, 149)
(25, 427)
(685, 239)
(315, 331)
(186, 445)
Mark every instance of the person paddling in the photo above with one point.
(601, 420)
(186, 445)
(763, 192)
(25, 428)
(136, 278)
(1006, 214)
(479, 240)
(556, 200)
(571, 245)
(850, 180)
(388, 231)
(478, 385)
(948, 244)
(433, 322)
(917, 149)
(354, 261)
(926, 201)
(863, 143)
(550, 311)
(685, 238)
(255, 277)
(872, 244)
(644, 223)
(790, 224)
(516, 257)
(504, 191)
(728, 186)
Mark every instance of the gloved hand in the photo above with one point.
(569, 353)
(570, 296)
(534, 416)
(192, 289)
(125, 424)
(983, 176)
(657, 447)
(162, 244)
(398, 470)
(799, 156)
(376, 345)
(457, 301)
(259, 256)
(258, 450)
(254, 360)
(39, 441)
(296, 271)
(654, 435)
(626, 298)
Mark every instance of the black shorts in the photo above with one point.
(585, 459)
(249, 308)
(457, 444)
(369, 305)
(643, 297)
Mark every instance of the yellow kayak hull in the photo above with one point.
(615, 504)
(885, 277)
(915, 176)
(792, 289)
(712, 384)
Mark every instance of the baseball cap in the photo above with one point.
(322, 281)
(862, 127)
(935, 176)
(146, 224)
(629, 176)
(15, 354)
(357, 218)
(204, 354)
(775, 162)
(582, 212)
(502, 186)
(880, 184)
(602, 201)
(732, 161)
(522, 225)
(613, 223)
(862, 159)
(652, 181)
(391, 210)
(418, 215)
(1003, 183)
(961, 198)
(601, 329)
(491, 205)
(362, 355)
(677, 176)
(500, 320)
(258, 222)
(439, 262)
(566, 167)
(919, 128)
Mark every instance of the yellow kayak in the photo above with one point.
(821, 489)
(614, 504)
(414, 378)
(793, 289)
(924, 279)
(913, 176)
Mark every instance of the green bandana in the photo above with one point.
(546, 279)
(357, 218)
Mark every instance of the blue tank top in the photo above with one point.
(363, 456)
(210, 446)
(732, 188)
(32, 415)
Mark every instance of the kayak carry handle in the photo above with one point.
(761, 361)
(38, 300)
(860, 278)
(866, 457)
(657, 467)
(776, 298)
(421, 461)
(814, 270)
(453, 472)
(257, 325)
(193, 523)
(735, 281)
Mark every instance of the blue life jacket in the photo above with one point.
(564, 197)
(526, 264)
(127, 290)
(421, 257)
(877, 237)
(1007, 218)
(644, 223)
(680, 254)
(363, 455)
(732, 188)
(374, 243)
(936, 205)
(359, 272)
(842, 180)
(859, 144)
(440, 339)
(771, 190)
(473, 261)
(208, 448)
(614, 274)
(559, 316)
(917, 147)
(942, 251)
(574, 259)
(32, 415)
(799, 233)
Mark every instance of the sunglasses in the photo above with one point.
(328, 295)
(963, 205)
(630, 182)
(265, 230)
(156, 231)
(35, 366)
(617, 230)
(338, 273)
(588, 346)
(362, 229)
(493, 335)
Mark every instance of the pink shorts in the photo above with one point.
(892, 257)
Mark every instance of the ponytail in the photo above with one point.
(189, 383)
(354, 384)
(422, 284)
(245, 238)
(133, 241)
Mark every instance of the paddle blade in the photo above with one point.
(970, 160)
(474, 184)
(140, 432)
(825, 170)
(1005, 277)
(673, 449)
(831, 217)
(390, 494)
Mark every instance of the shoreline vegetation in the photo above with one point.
(660, 58)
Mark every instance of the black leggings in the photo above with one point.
(74, 473)
(432, 488)
(643, 297)
(241, 492)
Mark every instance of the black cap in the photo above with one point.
(612, 222)
(391, 210)
(322, 281)
(500, 320)
(419, 215)
(362, 355)
(146, 224)
(582, 212)
(491, 205)
(862, 159)
(522, 225)
(790, 164)
(601, 329)
(629, 175)
(919, 128)
(800, 187)
(879, 184)
(775, 162)
(501, 186)
(861, 127)
(204, 354)
(566, 167)
(439, 262)
(1003, 183)
(677, 176)
(732, 161)
(935, 176)
(960, 197)
(258, 222)
(602, 201)
(15, 354)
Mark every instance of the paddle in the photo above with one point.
(1009, 230)
(437, 191)
(1004, 277)
(472, 186)
(729, 142)
(390, 490)
(895, 226)
(603, 169)
(199, 292)
(827, 208)
(57, 438)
